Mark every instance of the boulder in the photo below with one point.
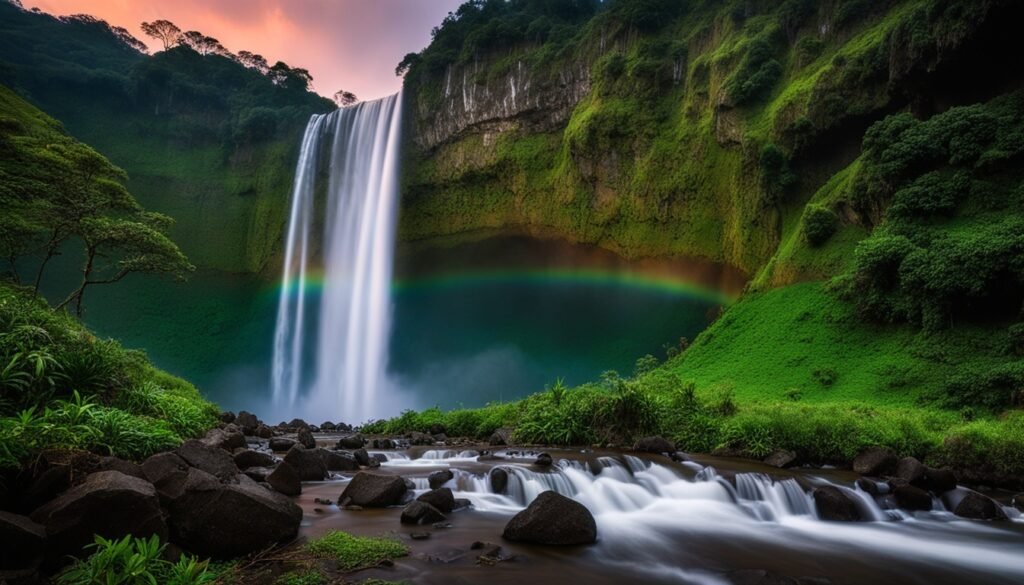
(353, 442)
(212, 460)
(362, 457)
(439, 478)
(440, 498)
(383, 444)
(502, 436)
(338, 460)
(24, 542)
(939, 481)
(285, 479)
(499, 480)
(418, 438)
(248, 422)
(438, 429)
(970, 504)
(909, 497)
(440, 438)
(305, 438)
(328, 426)
(307, 462)
(553, 519)
(418, 512)
(781, 459)
(654, 445)
(167, 472)
(876, 461)
(258, 474)
(873, 488)
(249, 458)
(544, 460)
(109, 504)
(461, 503)
(298, 423)
(281, 444)
(228, 440)
(835, 504)
(911, 471)
(125, 467)
(373, 490)
(226, 417)
(213, 519)
(1018, 502)
(264, 432)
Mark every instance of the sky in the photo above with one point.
(345, 44)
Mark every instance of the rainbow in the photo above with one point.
(655, 283)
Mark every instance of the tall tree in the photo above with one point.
(164, 31)
(129, 39)
(290, 77)
(345, 99)
(253, 61)
(203, 44)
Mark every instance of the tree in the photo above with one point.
(253, 61)
(203, 44)
(345, 99)
(407, 63)
(129, 39)
(164, 31)
(290, 78)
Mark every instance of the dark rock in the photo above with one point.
(307, 462)
(328, 426)
(373, 490)
(305, 438)
(440, 438)
(213, 519)
(378, 457)
(338, 460)
(499, 480)
(544, 460)
(264, 432)
(502, 436)
(438, 429)
(23, 541)
(248, 422)
(383, 444)
(461, 503)
(374, 463)
(285, 479)
(835, 504)
(226, 417)
(298, 423)
(909, 497)
(440, 498)
(167, 472)
(418, 438)
(125, 467)
(281, 444)
(362, 457)
(212, 460)
(939, 481)
(109, 504)
(227, 440)
(419, 512)
(781, 459)
(970, 504)
(654, 445)
(873, 488)
(911, 470)
(876, 461)
(553, 519)
(249, 458)
(1018, 502)
(258, 474)
(679, 456)
(353, 442)
(439, 478)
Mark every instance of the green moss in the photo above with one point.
(307, 577)
(355, 552)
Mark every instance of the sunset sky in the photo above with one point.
(345, 44)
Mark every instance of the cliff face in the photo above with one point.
(703, 136)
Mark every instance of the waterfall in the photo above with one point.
(330, 354)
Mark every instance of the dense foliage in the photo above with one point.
(135, 561)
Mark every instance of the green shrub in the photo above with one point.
(819, 224)
(994, 389)
(355, 552)
(757, 73)
(776, 175)
(134, 561)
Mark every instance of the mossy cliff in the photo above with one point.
(672, 128)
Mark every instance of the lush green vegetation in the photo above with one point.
(355, 552)
(135, 561)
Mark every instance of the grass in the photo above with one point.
(355, 552)
(135, 561)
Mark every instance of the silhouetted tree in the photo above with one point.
(129, 39)
(288, 77)
(203, 44)
(345, 98)
(163, 30)
(253, 61)
(407, 63)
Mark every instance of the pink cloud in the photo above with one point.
(345, 44)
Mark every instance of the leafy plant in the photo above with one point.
(134, 561)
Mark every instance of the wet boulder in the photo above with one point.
(439, 478)
(264, 432)
(226, 439)
(911, 471)
(307, 462)
(654, 445)
(502, 436)
(280, 444)
(939, 481)
(258, 474)
(418, 438)
(338, 460)
(909, 497)
(836, 504)
(970, 504)
(1018, 502)
(874, 488)
(876, 461)
(373, 490)
(383, 444)
(353, 442)
(249, 458)
(553, 519)
(440, 498)
(499, 480)
(109, 504)
(418, 512)
(285, 479)
(226, 417)
(214, 519)
(781, 459)
(167, 472)
(126, 467)
(23, 541)
(248, 422)
(305, 438)
(212, 460)
(544, 460)
(361, 456)
(298, 423)
(328, 426)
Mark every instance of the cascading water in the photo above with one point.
(330, 355)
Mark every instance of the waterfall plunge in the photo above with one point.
(330, 355)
